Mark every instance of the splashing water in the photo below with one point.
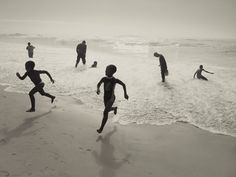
(210, 105)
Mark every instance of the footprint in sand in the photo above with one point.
(4, 173)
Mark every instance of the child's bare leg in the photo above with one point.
(43, 93)
(110, 104)
(32, 99)
(104, 121)
(113, 109)
(107, 109)
(49, 96)
(204, 78)
(105, 117)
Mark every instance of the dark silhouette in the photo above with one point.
(81, 53)
(199, 73)
(30, 49)
(106, 159)
(94, 65)
(109, 95)
(34, 76)
(163, 65)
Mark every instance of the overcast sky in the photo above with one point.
(161, 18)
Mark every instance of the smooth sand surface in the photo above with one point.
(60, 140)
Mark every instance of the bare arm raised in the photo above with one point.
(207, 71)
(48, 74)
(21, 77)
(99, 84)
(124, 88)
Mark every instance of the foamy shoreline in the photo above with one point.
(209, 105)
(7, 86)
(61, 141)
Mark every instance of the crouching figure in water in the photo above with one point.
(199, 73)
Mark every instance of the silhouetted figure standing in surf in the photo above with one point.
(34, 76)
(109, 95)
(163, 65)
(81, 53)
(199, 73)
(30, 49)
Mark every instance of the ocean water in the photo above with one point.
(209, 105)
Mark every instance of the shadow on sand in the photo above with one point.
(19, 131)
(106, 159)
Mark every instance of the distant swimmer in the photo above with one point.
(199, 73)
(81, 53)
(109, 96)
(163, 65)
(30, 49)
(34, 76)
(94, 65)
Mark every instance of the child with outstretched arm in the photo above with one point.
(109, 97)
(199, 73)
(34, 76)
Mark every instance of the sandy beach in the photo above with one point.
(60, 140)
(169, 67)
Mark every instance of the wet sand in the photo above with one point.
(60, 140)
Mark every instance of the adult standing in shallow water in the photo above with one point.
(81, 53)
(163, 65)
(30, 49)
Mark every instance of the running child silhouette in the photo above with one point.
(199, 73)
(34, 76)
(109, 95)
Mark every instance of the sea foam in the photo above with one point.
(209, 105)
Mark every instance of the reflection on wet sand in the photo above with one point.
(106, 159)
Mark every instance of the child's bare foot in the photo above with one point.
(99, 131)
(31, 110)
(53, 98)
(115, 110)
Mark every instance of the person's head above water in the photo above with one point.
(201, 66)
(29, 43)
(84, 42)
(94, 65)
(29, 65)
(110, 70)
(156, 54)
